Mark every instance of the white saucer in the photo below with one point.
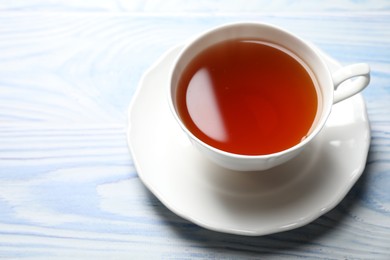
(251, 203)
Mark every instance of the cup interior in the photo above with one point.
(301, 51)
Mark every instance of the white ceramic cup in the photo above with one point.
(326, 84)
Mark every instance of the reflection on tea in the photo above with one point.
(247, 97)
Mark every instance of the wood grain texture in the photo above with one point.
(68, 188)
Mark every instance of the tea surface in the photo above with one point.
(247, 97)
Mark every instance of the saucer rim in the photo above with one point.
(346, 187)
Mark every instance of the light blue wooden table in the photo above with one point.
(68, 186)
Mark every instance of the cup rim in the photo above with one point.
(197, 38)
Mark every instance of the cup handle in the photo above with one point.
(362, 73)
